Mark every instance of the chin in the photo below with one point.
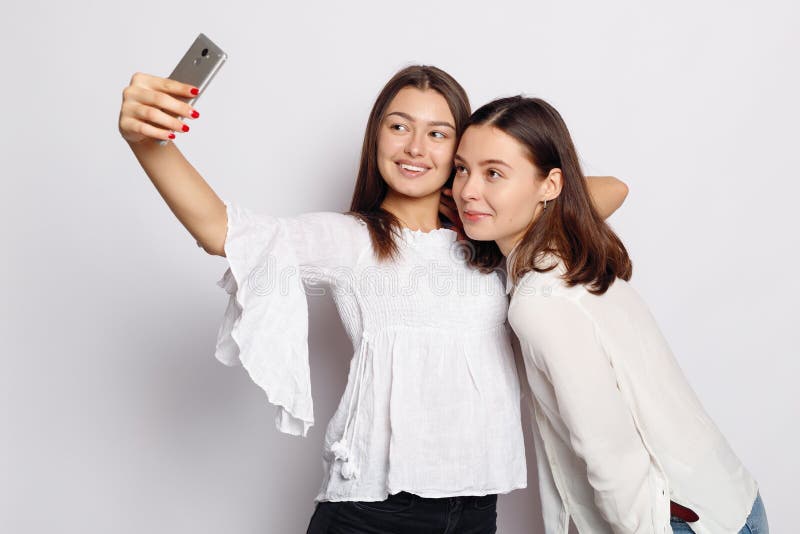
(478, 234)
(415, 190)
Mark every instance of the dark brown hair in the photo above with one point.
(370, 189)
(570, 227)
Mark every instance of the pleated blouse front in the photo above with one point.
(431, 404)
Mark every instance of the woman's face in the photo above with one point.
(497, 188)
(416, 141)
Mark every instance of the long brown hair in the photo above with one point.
(570, 227)
(370, 189)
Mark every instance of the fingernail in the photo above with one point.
(195, 91)
(185, 128)
(195, 114)
(172, 136)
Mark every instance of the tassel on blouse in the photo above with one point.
(349, 471)
(341, 449)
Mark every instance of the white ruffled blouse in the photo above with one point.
(432, 403)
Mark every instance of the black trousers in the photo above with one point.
(405, 513)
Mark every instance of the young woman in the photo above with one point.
(428, 430)
(623, 444)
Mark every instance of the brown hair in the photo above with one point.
(570, 227)
(370, 189)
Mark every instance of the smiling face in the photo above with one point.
(497, 188)
(416, 141)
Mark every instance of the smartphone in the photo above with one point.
(198, 67)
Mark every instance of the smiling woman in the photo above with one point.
(431, 408)
(407, 156)
(492, 169)
(415, 145)
(622, 441)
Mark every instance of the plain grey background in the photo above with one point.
(116, 417)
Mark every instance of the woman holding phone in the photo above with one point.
(428, 431)
(623, 444)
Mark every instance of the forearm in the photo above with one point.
(608, 194)
(188, 195)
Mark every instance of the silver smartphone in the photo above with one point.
(198, 66)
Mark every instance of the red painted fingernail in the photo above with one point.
(195, 91)
(195, 114)
(172, 136)
(185, 128)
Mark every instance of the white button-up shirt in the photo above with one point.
(432, 403)
(620, 431)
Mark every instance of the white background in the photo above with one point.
(116, 418)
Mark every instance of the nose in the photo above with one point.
(416, 144)
(470, 188)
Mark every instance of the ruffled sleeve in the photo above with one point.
(265, 326)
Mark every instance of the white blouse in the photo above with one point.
(621, 433)
(432, 403)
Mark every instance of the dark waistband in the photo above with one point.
(682, 513)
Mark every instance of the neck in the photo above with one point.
(507, 245)
(414, 213)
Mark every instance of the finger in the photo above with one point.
(146, 129)
(177, 88)
(165, 85)
(448, 192)
(157, 118)
(163, 102)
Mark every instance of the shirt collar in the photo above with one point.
(509, 264)
(509, 285)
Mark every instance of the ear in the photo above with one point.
(553, 183)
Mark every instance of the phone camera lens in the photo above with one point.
(204, 53)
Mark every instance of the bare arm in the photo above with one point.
(149, 111)
(608, 194)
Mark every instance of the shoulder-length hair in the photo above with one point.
(370, 189)
(570, 228)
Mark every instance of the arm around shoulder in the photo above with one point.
(608, 194)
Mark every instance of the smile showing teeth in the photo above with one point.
(412, 168)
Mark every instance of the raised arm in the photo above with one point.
(149, 114)
(608, 194)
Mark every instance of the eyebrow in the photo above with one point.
(432, 123)
(457, 157)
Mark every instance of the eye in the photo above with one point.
(399, 127)
(493, 174)
(461, 170)
(438, 135)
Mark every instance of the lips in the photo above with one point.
(412, 170)
(475, 216)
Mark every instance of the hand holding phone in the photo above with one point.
(198, 66)
(153, 107)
